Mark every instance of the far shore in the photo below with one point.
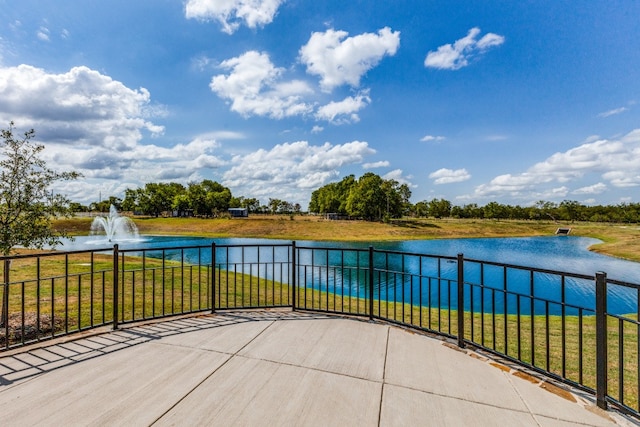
(618, 240)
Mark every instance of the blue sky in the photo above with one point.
(473, 102)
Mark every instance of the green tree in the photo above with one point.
(421, 209)
(197, 199)
(571, 210)
(274, 205)
(105, 205)
(27, 203)
(495, 210)
(439, 208)
(332, 198)
(181, 204)
(367, 198)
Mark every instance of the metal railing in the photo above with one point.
(579, 329)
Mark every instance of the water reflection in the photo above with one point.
(426, 280)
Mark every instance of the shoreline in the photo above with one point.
(617, 240)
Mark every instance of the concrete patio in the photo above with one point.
(275, 368)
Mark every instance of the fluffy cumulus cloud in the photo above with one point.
(232, 13)
(338, 59)
(289, 170)
(95, 125)
(457, 55)
(119, 169)
(612, 160)
(598, 188)
(344, 111)
(449, 176)
(254, 86)
(81, 106)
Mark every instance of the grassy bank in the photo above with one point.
(622, 241)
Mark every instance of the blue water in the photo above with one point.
(560, 253)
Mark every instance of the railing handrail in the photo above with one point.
(305, 285)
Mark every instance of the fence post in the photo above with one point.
(116, 276)
(5, 300)
(601, 340)
(371, 275)
(213, 277)
(294, 273)
(461, 301)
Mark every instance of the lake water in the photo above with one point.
(562, 253)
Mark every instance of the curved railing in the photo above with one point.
(579, 329)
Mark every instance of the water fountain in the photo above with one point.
(116, 227)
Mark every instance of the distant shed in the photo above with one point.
(238, 212)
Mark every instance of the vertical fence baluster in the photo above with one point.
(38, 299)
(601, 340)
(116, 275)
(66, 293)
(294, 270)
(370, 282)
(213, 277)
(563, 326)
(5, 301)
(621, 361)
(460, 301)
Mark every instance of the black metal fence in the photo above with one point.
(579, 329)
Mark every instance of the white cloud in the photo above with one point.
(289, 170)
(615, 161)
(43, 34)
(95, 125)
(429, 138)
(317, 129)
(139, 165)
(448, 176)
(457, 55)
(598, 188)
(232, 13)
(344, 111)
(380, 164)
(80, 106)
(396, 175)
(222, 135)
(613, 112)
(253, 88)
(339, 59)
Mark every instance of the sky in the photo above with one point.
(473, 102)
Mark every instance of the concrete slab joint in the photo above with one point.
(276, 367)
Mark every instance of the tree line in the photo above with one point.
(567, 210)
(369, 197)
(373, 198)
(207, 199)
